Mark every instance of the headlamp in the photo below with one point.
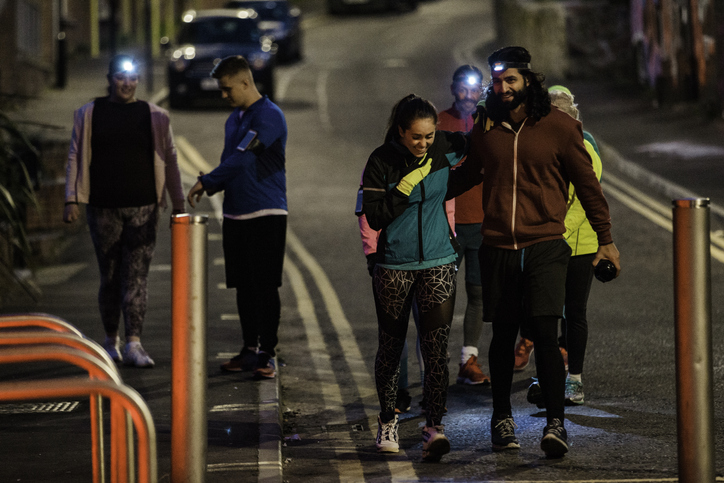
(503, 66)
(473, 80)
(128, 67)
(122, 64)
(470, 79)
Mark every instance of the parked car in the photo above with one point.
(279, 20)
(206, 37)
(350, 6)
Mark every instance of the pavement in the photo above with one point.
(655, 148)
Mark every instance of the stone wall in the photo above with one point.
(569, 39)
(540, 27)
(45, 226)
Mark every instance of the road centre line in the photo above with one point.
(193, 156)
(649, 213)
(353, 356)
(323, 101)
(319, 354)
(716, 237)
(643, 210)
(635, 193)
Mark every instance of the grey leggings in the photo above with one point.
(124, 241)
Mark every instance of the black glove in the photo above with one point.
(372, 260)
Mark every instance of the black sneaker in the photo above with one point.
(502, 431)
(535, 395)
(245, 361)
(555, 439)
(402, 405)
(264, 368)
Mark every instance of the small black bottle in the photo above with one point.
(605, 271)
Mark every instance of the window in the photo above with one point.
(28, 33)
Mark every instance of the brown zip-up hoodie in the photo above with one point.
(526, 177)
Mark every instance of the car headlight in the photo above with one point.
(181, 57)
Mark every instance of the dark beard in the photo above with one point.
(498, 110)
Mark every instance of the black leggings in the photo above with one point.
(259, 312)
(433, 290)
(574, 326)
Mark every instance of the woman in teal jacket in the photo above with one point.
(403, 195)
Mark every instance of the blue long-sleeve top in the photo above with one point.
(253, 180)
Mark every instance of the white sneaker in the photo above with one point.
(434, 443)
(113, 347)
(387, 441)
(135, 355)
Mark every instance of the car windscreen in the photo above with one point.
(267, 10)
(221, 30)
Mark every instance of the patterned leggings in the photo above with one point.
(433, 289)
(124, 240)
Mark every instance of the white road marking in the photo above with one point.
(365, 385)
(57, 273)
(323, 101)
(319, 353)
(160, 267)
(193, 156)
(653, 210)
(233, 407)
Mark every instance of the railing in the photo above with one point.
(51, 322)
(128, 399)
(105, 371)
(32, 346)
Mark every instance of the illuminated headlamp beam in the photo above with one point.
(128, 67)
(473, 80)
(501, 66)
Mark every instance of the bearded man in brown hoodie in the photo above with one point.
(527, 153)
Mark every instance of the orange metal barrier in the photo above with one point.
(90, 347)
(11, 321)
(125, 397)
(59, 338)
(87, 355)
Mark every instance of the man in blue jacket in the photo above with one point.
(252, 176)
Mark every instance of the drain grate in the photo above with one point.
(41, 407)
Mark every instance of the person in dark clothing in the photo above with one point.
(121, 163)
(253, 178)
(527, 160)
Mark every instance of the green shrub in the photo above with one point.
(18, 159)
